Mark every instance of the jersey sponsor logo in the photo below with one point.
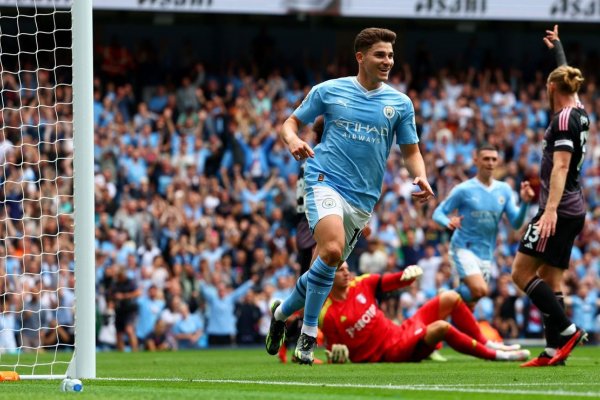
(418, 331)
(361, 128)
(328, 203)
(389, 112)
(361, 298)
(364, 320)
(484, 215)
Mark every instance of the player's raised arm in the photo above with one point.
(553, 42)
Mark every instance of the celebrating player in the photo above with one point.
(356, 329)
(480, 202)
(344, 173)
(545, 248)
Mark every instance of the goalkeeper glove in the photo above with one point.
(411, 273)
(339, 354)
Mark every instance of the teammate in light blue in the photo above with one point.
(480, 202)
(344, 173)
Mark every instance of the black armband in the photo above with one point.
(559, 53)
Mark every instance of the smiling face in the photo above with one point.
(374, 64)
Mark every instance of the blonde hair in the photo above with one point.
(567, 79)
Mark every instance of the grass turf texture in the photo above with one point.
(252, 374)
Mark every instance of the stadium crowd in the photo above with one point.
(196, 196)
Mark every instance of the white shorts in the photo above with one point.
(322, 201)
(466, 263)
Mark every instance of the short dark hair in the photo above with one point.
(486, 146)
(369, 36)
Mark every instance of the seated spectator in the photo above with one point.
(159, 339)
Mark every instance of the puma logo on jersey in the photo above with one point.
(342, 102)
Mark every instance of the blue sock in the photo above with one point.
(297, 299)
(464, 292)
(320, 280)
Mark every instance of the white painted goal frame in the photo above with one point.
(83, 361)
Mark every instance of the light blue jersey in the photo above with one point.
(482, 207)
(359, 132)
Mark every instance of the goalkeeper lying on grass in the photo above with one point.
(356, 329)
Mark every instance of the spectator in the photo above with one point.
(124, 292)
(220, 302)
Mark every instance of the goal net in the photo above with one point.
(39, 136)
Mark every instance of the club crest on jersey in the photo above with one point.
(501, 200)
(389, 112)
(328, 203)
(361, 298)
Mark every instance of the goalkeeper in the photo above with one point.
(356, 329)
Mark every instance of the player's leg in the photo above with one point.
(563, 341)
(553, 277)
(451, 305)
(329, 234)
(473, 283)
(533, 273)
(325, 213)
(459, 341)
(354, 221)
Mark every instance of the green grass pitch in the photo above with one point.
(252, 374)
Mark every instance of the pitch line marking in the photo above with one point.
(429, 388)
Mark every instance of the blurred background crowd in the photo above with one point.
(195, 195)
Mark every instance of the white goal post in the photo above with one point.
(47, 258)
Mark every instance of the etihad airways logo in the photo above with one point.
(364, 320)
(362, 132)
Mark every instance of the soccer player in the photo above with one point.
(480, 202)
(356, 328)
(344, 174)
(545, 248)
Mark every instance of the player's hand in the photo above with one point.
(339, 354)
(300, 149)
(551, 36)
(425, 193)
(455, 222)
(411, 273)
(547, 224)
(527, 192)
